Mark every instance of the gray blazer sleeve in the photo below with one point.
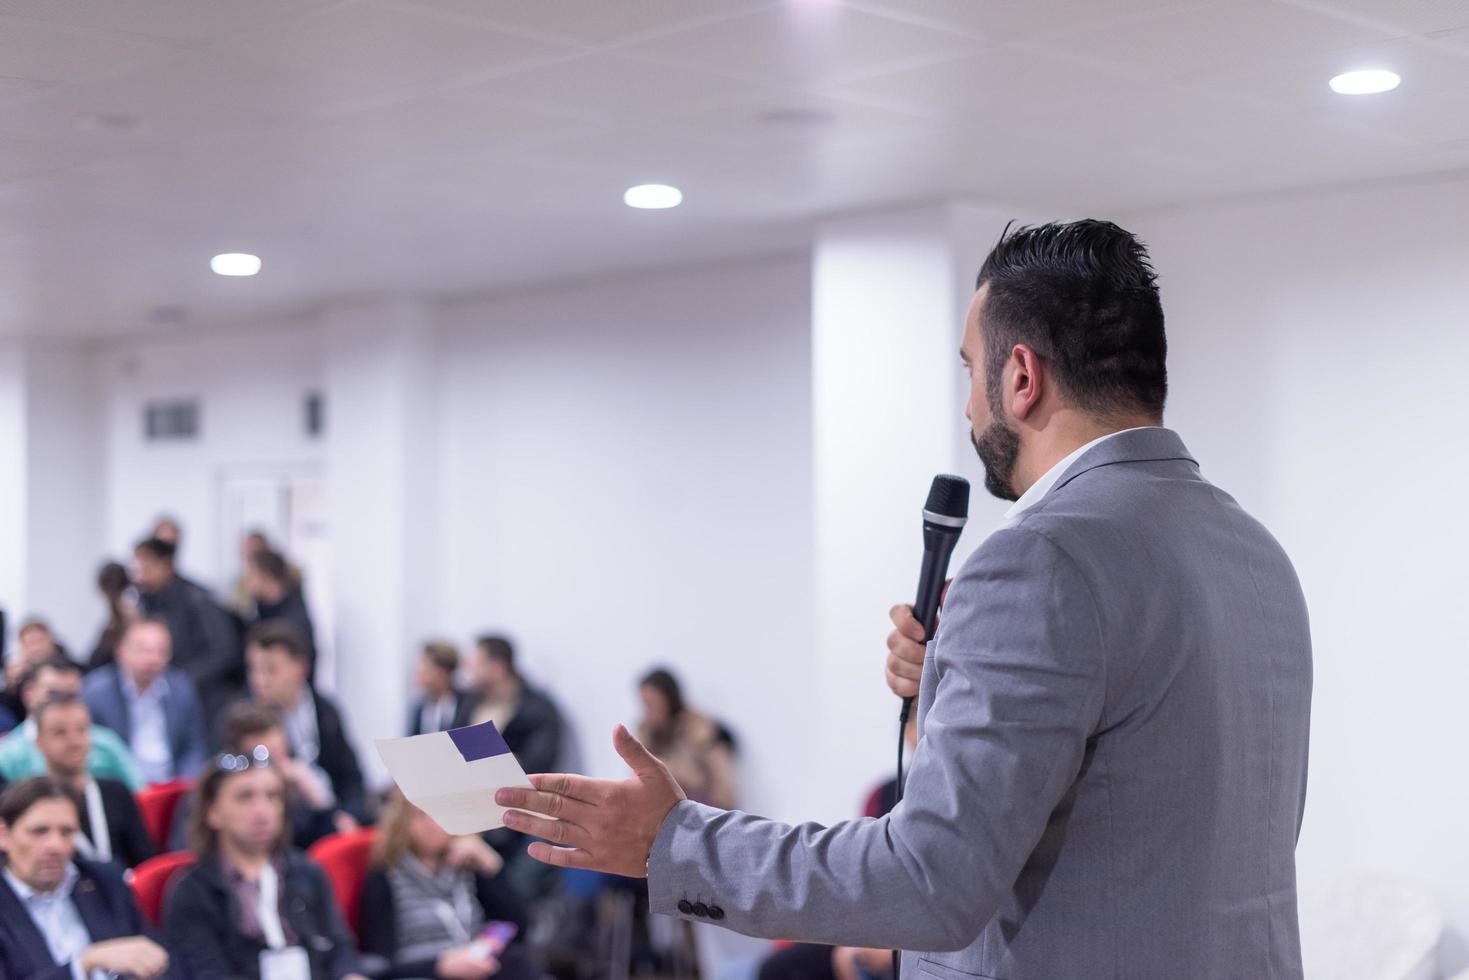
(1018, 682)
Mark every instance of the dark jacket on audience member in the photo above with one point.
(206, 644)
(292, 609)
(534, 732)
(131, 844)
(378, 923)
(336, 757)
(463, 713)
(201, 918)
(102, 690)
(106, 907)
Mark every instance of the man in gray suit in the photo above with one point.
(1113, 715)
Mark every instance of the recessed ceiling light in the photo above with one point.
(1369, 81)
(653, 197)
(235, 264)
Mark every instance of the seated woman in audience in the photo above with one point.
(429, 898)
(693, 747)
(311, 811)
(251, 906)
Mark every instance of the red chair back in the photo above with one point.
(159, 804)
(344, 858)
(151, 878)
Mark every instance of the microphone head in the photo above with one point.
(948, 500)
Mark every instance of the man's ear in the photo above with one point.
(1027, 380)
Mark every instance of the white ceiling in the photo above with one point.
(447, 146)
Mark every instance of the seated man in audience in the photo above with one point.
(220, 918)
(19, 757)
(527, 718)
(429, 896)
(311, 809)
(268, 580)
(154, 708)
(206, 641)
(278, 664)
(442, 705)
(61, 917)
(112, 826)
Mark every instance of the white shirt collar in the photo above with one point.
(155, 691)
(63, 890)
(1043, 486)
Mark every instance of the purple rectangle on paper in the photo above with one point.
(481, 741)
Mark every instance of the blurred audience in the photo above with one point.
(113, 583)
(692, 746)
(268, 580)
(429, 897)
(278, 667)
(62, 916)
(112, 827)
(205, 641)
(441, 705)
(251, 905)
(527, 718)
(154, 708)
(36, 644)
(251, 544)
(109, 757)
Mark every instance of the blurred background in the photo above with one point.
(473, 391)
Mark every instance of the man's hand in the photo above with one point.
(135, 956)
(463, 963)
(345, 823)
(597, 824)
(905, 652)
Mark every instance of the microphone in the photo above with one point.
(944, 514)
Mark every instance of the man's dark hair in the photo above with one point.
(67, 700)
(499, 648)
(1084, 297)
(146, 619)
(61, 664)
(279, 634)
(112, 579)
(442, 655)
(155, 548)
(21, 796)
(272, 566)
(245, 722)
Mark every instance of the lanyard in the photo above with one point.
(269, 911)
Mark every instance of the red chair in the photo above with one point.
(159, 803)
(151, 880)
(344, 859)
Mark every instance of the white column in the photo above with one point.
(51, 492)
(381, 404)
(889, 293)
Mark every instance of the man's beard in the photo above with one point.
(998, 448)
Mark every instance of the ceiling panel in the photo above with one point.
(802, 44)
(1406, 16)
(600, 22)
(49, 51)
(183, 19)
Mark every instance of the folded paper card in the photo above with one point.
(452, 776)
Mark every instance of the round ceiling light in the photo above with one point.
(1368, 81)
(235, 264)
(652, 197)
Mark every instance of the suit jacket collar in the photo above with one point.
(1135, 446)
(14, 913)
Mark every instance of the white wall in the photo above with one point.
(626, 481)
(251, 381)
(1318, 364)
(14, 525)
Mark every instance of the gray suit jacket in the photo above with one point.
(1112, 760)
(102, 690)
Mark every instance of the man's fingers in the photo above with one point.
(633, 752)
(902, 617)
(551, 804)
(560, 857)
(592, 791)
(903, 668)
(557, 831)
